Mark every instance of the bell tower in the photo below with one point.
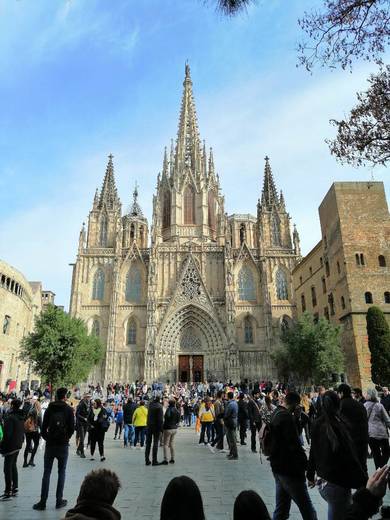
(188, 203)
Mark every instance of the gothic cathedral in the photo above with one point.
(207, 297)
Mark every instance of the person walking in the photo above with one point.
(140, 419)
(57, 429)
(230, 423)
(242, 418)
(128, 427)
(118, 422)
(385, 399)
(288, 461)
(378, 423)
(82, 413)
(171, 423)
(354, 416)
(98, 425)
(255, 422)
(333, 458)
(13, 436)
(155, 425)
(32, 430)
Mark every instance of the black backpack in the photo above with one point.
(57, 431)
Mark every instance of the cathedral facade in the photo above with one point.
(206, 295)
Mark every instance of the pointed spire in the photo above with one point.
(282, 204)
(109, 193)
(188, 142)
(82, 238)
(171, 158)
(296, 241)
(135, 210)
(269, 196)
(211, 163)
(204, 160)
(165, 163)
(96, 199)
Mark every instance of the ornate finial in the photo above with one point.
(187, 71)
(266, 158)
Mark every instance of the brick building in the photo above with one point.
(347, 271)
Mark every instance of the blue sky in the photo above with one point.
(81, 79)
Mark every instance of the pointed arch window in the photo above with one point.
(189, 205)
(131, 332)
(103, 231)
(133, 285)
(95, 328)
(98, 285)
(211, 208)
(167, 209)
(248, 330)
(246, 285)
(281, 285)
(275, 229)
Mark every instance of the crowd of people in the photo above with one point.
(318, 439)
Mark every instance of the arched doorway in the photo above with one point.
(190, 347)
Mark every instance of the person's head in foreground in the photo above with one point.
(97, 494)
(182, 499)
(250, 506)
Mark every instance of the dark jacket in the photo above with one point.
(171, 418)
(242, 411)
(155, 417)
(386, 402)
(54, 408)
(101, 422)
(82, 411)
(287, 455)
(128, 411)
(92, 510)
(364, 505)
(13, 434)
(355, 417)
(340, 467)
(254, 411)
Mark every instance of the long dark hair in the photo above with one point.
(182, 499)
(331, 418)
(250, 506)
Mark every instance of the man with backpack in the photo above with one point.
(288, 461)
(57, 429)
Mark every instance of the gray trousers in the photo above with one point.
(232, 441)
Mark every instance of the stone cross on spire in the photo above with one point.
(109, 194)
(269, 196)
(188, 149)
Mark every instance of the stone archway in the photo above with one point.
(190, 331)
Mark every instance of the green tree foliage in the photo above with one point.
(310, 352)
(60, 349)
(379, 344)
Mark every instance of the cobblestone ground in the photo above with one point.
(219, 480)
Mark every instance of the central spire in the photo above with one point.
(188, 143)
(109, 194)
(269, 196)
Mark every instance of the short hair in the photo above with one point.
(182, 499)
(103, 484)
(358, 391)
(292, 398)
(219, 393)
(61, 393)
(250, 506)
(372, 394)
(230, 395)
(345, 390)
(98, 403)
(142, 403)
(16, 404)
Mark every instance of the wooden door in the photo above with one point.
(197, 368)
(184, 369)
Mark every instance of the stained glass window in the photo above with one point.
(98, 285)
(189, 205)
(131, 332)
(133, 285)
(246, 286)
(248, 330)
(281, 285)
(103, 231)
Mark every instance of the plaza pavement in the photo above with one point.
(219, 480)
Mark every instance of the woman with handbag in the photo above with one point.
(98, 425)
(378, 422)
(32, 430)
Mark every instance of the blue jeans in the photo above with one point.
(139, 435)
(338, 499)
(61, 454)
(292, 488)
(205, 429)
(128, 434)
